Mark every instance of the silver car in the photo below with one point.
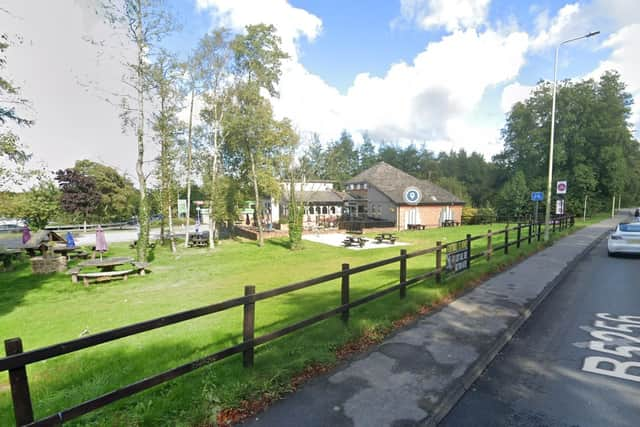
(625, 239)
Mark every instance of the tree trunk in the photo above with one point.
(186, 236)
(171, 236)
(257, 196)
(143, 214)
(214, 173)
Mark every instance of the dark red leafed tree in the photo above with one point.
(79, 193)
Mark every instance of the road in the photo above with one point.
(540, 378)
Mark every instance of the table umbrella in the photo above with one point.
(26, 234)
(70, 242)
(101, 241)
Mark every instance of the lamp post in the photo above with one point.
(547, 212)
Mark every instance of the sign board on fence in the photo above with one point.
(457, 256)
(182, 207)
(560, 207)
(537, 196)
(561, 187)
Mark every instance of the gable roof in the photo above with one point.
(331, 196)
(392, 182)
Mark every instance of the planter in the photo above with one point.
(45, 265)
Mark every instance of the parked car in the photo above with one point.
(625, 239)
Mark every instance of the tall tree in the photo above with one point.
(214, 56)
(594, 150)
(166, 73)
(257, 67)
(41, 203)
(79, 193)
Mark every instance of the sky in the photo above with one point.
(442, 73)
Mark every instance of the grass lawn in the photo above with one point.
(48, 309)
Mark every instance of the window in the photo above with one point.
(324, 209)
(318, 209)
(364, 185)
(311, 211)
(333, 209)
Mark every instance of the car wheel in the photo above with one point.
(611, 254)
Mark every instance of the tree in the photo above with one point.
(79, 193)
(40, 204)
(146, 23)
(594, 147)
(342, 159)
(257, 62)
(367, 155)
(117, 194)
(512, 200)
(213, 56)
(165, 77)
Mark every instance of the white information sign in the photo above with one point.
(561, 187)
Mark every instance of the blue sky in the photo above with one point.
(436, 72)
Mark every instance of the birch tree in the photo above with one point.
(165, 76)
(146, 23)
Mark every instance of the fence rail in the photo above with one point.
(17, 359)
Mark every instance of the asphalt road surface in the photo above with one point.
(575, 362)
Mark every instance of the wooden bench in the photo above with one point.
(416, 226)
(198, 241)
(139, 268)
(386, 236)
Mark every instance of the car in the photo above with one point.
(625, 239)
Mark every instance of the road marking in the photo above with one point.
(616, 343)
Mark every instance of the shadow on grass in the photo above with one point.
(16, 283)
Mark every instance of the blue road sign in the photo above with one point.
(537, 196)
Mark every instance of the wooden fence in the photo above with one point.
(17, 359)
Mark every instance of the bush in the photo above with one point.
(478, 215)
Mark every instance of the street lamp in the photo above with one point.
(547, 212)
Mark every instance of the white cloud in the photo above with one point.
(568, 23)
(291, 23)
(513, 93)
(449, 14)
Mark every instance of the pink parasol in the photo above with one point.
(26, 234)
(101, 241)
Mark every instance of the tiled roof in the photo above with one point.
(392, 182)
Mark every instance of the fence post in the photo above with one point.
(19, 382)
(489, 245)
(506, 239)
(345, 292)
(248, 326)
(438, 261)
(518, 235)
(539, 230)
(553, 226)
(403, 272)
(468, 251)
(529, 236)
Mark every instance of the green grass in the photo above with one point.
(48, 309)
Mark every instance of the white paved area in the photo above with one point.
(335, 239)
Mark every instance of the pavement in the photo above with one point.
(336, 239)
(419, 373)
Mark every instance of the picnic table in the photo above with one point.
(199, 240)
(69, 251)
(106, 264)
(7, 256)
(354, 241)
(450, 223)
(391, 238)
(416, 226)
(107, 269)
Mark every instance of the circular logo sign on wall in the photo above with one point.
(412, 195)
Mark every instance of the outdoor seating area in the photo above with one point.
(450, 223)
(416, 226)
(354, 241)
(389, 237)
(107, 270)
(199, 240)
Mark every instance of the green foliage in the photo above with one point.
(594, 148)
(455, 187)
(486, 215)
(512, 200)
(117, 196)
(40, 205)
